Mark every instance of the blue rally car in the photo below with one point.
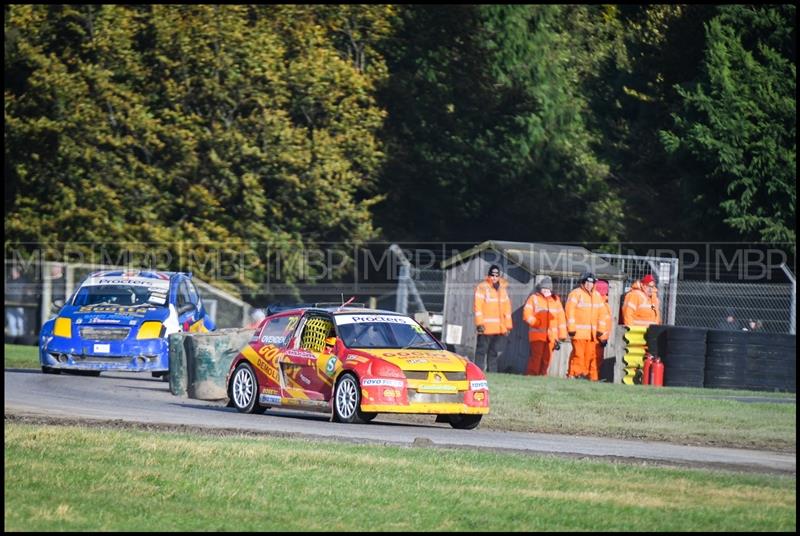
(120, 320)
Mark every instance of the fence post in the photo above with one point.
(793, 306)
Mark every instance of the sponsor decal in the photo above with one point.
(268, 370)
(330, 366)
(304, 379)
(477, 385)
(102, 348)
(96, 320)
(415, 361)
(118, 309)
(80, 321)
(272, 339)
(368, 319)
(270, 399)
(374, 382)
(356, 358)
(431, 356)
(136, 281)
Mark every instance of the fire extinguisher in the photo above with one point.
(648, 364)
(657, 370)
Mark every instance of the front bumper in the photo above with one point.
(134, 356)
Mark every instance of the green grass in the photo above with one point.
(574, 407)
(19, 356)
(69, 478)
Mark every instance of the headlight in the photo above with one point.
(151, 330)
(63, 328)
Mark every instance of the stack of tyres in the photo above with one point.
(771, 362)
(726, 359)
(656, 338)
(684, 357)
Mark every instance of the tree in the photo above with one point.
(233, 131)
(487, 115)
(737, 122)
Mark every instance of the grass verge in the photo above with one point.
(69, 478)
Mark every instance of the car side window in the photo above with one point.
(315, 330)
(194, 297)
(279, 330)
(183, 294)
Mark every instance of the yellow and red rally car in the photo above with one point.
(355, 363)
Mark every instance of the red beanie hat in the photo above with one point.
(646, 280)
(602, 287)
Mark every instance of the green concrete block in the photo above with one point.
(213, 353)
(178, 378)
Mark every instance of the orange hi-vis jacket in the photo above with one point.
(585, 316)
(492, 307)
(608, 320)
(545, 316)
(638, 309)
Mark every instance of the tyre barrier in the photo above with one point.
(684, 356)
(752, 361)
(726, 353)
(635, 348)
(202, 360)
(656, 338)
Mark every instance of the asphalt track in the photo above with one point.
(137, 400)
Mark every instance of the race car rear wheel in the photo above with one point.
(465, 422)
(347, 401)
(244, 390)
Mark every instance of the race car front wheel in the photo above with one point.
(347, 401)
(244, 390)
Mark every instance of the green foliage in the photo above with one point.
(487, 115)
(211, 130)
(259, 131)
(738, 121)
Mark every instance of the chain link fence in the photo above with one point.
(764, 305)
(665, 270)
(736, 306)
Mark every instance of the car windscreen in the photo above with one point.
(383, 331)
(128, 295)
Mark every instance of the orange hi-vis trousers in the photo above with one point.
(539, 358)
(582, 360)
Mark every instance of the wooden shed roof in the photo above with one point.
(543, 259)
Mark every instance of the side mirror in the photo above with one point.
(56, 305)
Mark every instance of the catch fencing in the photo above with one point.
(762, 305)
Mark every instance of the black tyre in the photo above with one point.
(243, 390)
(465, 422)
(347, 401)
(50, 370)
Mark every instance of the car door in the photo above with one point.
(304, 366)
(201, 314)
(268, 346)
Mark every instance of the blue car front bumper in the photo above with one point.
(135, 356)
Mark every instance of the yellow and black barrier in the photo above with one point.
(635, 348)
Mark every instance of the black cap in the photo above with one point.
(587, 276)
